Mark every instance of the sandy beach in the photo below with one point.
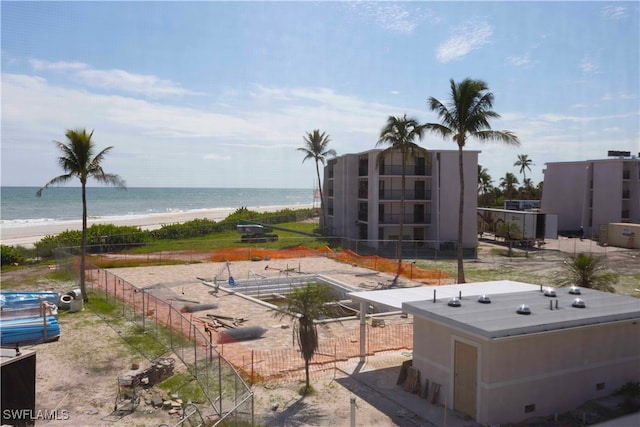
(27, 235)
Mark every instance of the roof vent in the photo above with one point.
(578, 303)
(454, 302)
(484, 299)
(574, 290)
(523, 309)
(549, 292)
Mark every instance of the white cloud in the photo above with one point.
(213, 156)
(583, 119)
(588, 65)
(39, 65)
(154, 137)
(521, 61)
(618, 96)
(138, 84)
(465, 38)
(614, 12)
(393, 16)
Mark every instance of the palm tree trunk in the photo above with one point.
(324, 216)
(83, 244)
(306, 373)
(401, 219)
(459, 252)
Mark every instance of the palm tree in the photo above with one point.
(527, 188)
(538, 190)
(399, 134)
(508, 184)
(78, 161)
(484, 183)
(524, 162)
(316, 148)
(467, 115)
(310, 304)
(585, 271)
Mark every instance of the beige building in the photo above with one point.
(499, 366)
(592, 193)
(363, 199)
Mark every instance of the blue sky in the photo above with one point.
(220, 94)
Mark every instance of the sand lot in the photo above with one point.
(78, 372)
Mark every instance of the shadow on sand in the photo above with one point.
(297, 414)
(379, 389)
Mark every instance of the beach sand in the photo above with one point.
(27, 235)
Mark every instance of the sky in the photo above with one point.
(221, 94)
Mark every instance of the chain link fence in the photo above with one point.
(227, 393)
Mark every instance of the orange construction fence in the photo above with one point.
(372, 262)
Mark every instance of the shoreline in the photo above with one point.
(28, 235)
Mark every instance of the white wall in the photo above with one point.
(555, 371)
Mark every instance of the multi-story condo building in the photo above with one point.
(592, 193)
(364, 197)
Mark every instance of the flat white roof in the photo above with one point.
(500, 319)
(395, 297)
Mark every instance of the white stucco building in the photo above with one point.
(498, 366)
(592, 193)
(363, 198)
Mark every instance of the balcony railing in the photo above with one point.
(363, 216)
(408, 219)
(410, 170)
(625, 214)
(626, 174)
(626, 194)
(408, 195)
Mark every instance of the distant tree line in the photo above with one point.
(509, 187)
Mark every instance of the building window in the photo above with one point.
(363, 189)
(363, 211)
(363, 165)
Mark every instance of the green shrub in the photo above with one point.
(113, 238)
(10, 255)
(67, 239)
(195, 228)
(100, 238)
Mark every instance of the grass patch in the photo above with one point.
(145, 342)
(31, 281)
(100, 306)
(184, 385)
(231, 239)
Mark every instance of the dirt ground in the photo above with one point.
(77, 374)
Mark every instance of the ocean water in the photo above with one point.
(19, 206)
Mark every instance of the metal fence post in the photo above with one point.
(195, 351)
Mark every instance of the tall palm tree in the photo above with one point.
(316, 148)
(399, 134)
(78, 161)
(527, 188)
(524, 162)
(508, 184)
(467, 115)
(310, 304)
(484, 183)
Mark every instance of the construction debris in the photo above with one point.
(191, 308)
